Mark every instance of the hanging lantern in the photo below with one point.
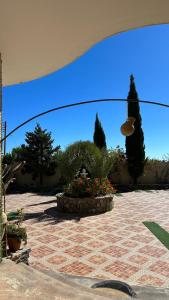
(127, 128)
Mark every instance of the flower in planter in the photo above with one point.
(86, 187)
(79, 187)
(102, 186)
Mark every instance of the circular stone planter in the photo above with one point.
(86, 205)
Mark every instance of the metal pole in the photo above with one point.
(78, 104)
(0, 159)
(5, 127)
(4, 153)
(4, 197)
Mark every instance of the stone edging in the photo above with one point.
(86, 205)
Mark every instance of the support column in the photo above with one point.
(0, 158)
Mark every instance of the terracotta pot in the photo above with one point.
(127, 128)
(14, 243)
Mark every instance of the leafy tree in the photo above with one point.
(38, 153)
(15, 156)
(99, 135)
(135, 149)
(77, 155)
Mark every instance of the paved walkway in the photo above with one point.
(113, 245)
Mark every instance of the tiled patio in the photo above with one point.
(113, 245)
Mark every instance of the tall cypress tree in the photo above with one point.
(99, 135)
(135, 149)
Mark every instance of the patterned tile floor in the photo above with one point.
(114, 245)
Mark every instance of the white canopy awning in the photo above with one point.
(38, 37)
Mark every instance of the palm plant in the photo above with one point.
(100, 166)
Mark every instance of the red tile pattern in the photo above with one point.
(61, 244)
(79, 238)
(42, 251)
(129, 244)
(97, 259)
(121, 269)
(77, 251)
(142, 238)
(115, 251)
(112, 245)
(110, 238)
(95, 244)
(150, 280)
(56, 259)
(160, 267)
(46, 239)
(153, 251)
(76, 268)
(138, 259)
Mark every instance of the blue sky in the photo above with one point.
(102, 72)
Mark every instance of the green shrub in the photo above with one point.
(101, 165)
(75, 156)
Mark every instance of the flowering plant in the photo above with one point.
(102, 186)
(86, 187)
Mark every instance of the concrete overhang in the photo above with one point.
(38, 37)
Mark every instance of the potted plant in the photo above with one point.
(16, 233)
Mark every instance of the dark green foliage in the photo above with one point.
(75, 156)
(161, 234)
(101, 166)
(15, 156)
(98, 163)
(38, 153)
(7, 159)
(13, 215)
(118, 157)
(15, 231)
(135, 149)
(99, 135)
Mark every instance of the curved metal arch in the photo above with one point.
(78, 104)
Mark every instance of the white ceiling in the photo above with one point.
(38, 37)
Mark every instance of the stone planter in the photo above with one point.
(84, 206)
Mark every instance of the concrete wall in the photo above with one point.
(154, 173)
(25, 180)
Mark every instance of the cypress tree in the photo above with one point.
(99, 135)
(135, 149)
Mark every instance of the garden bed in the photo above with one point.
(84, 205)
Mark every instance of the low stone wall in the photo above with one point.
(84, 206)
